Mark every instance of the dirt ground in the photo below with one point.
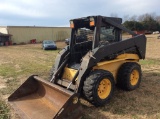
(20, 61)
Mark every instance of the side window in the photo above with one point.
(107, 34)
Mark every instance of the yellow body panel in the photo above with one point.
(114, 65)
(128, 56)
(69, 73)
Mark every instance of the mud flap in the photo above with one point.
(40, 99)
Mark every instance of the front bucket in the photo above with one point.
(39, 99)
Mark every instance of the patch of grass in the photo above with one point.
(156, 74)
(12, 84)
(150, 62)
(4, 110)
(135, 117)
(7, 70)
(158, 116)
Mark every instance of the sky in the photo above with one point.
(57, 13)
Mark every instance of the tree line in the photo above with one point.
(148, 22)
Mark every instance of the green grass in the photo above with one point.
(4, 110)
(27, 65)
(7, 70)
(150, 62)
(12, 84)
(28, 68)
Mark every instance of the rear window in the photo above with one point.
(84, 34)
(48, 42)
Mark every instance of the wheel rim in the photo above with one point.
(134, 77)
(104, 88)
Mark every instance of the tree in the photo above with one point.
(150, 24)
(133, 25)
(157, 19)
(146, 16)
(125, 17)
(133, 18)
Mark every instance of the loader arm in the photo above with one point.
(108, 20)
(61, 57)
(60, 62)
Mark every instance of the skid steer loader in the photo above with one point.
(96, 59)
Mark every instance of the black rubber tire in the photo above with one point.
(51, 72)
(124, 74)
(91, 84)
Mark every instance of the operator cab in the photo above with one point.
(89, 33)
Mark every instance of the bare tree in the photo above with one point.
(141, 18)
(146, 16)
(126, 18)
(133, 18)
(158, 19)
